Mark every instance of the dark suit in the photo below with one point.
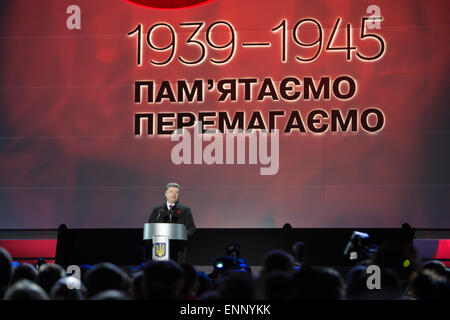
(179, 214)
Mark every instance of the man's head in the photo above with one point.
(25, 271)
(172, 192)
(105, 276)
(278, 260)
(163, 280)
(48, 275)
(25, 290)
(6, 270)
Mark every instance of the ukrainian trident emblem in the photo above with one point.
(160, 249)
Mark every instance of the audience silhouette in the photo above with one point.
(282, 277)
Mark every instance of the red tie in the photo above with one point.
(170, 206)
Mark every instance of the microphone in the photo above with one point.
(171, 212)
(160, 211)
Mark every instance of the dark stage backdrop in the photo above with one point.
(69, 151)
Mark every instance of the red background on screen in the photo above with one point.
(69, 153)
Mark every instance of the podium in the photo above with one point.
(161, 234)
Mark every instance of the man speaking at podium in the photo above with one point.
(173, 211)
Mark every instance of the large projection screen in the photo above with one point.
(348, 102)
